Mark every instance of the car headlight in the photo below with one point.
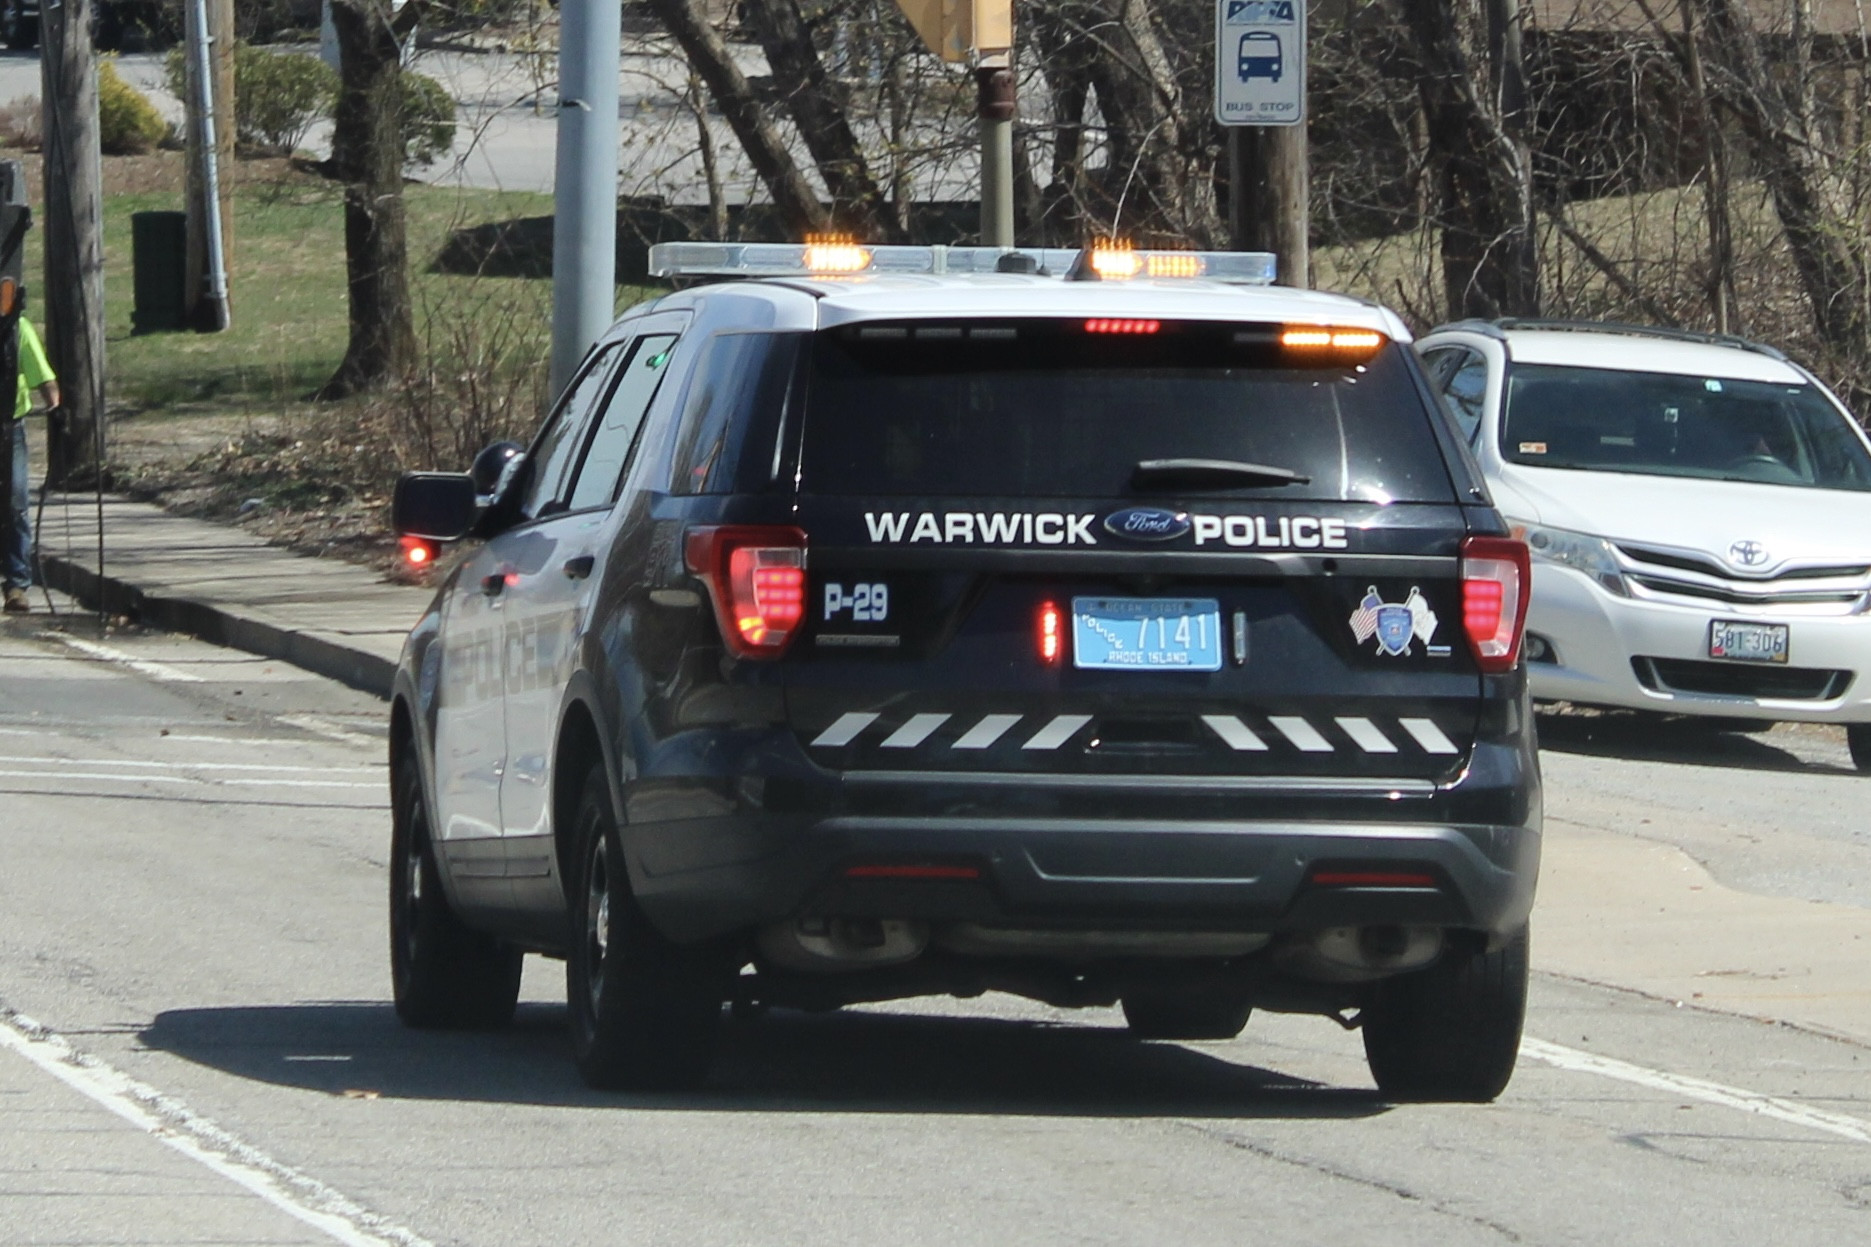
(1579, 551)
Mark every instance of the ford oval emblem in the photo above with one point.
(1147, 524)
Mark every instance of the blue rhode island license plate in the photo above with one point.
(1149, 634)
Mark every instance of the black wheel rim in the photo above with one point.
(409, 897)
(597, 922)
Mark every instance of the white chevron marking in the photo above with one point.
(913, 733)
(1304, 736)
(845, 730)
(1057, 732)
(1236, 734)
(987, 731)
(1367, 735)
(1428, 735)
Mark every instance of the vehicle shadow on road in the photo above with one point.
(1637, 736)
(779, 1062)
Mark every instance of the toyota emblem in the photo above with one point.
(1747, 554)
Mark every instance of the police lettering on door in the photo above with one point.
(1260, 62)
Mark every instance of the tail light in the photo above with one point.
(1496, 580)
(756, 577)
(1049, 631)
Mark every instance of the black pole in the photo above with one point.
(15, 220)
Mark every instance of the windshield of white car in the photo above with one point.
(1668, 424)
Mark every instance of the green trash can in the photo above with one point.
(159, 259)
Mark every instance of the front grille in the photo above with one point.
(1747, 597)
(1826, 589)
(1686, 561)
(1723, 679)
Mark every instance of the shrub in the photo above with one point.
(280, 96)
(428, 119)
(127, 123)
(20, 123)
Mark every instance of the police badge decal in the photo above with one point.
(1396, 624)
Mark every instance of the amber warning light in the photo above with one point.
(417, 551)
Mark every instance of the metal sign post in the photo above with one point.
(15, 219)
(1260, 97)
(980, 33)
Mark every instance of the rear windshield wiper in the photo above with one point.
(1154, 474)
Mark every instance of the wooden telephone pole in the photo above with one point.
(74, 242)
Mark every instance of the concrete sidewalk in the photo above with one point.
(1614, 909)
(216, 582)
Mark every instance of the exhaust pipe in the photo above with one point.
(1359, 954)
(830, 945)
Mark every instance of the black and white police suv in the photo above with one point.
(1102, 627)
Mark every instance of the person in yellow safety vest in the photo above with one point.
(35, 375)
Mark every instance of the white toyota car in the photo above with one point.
(1699, 510)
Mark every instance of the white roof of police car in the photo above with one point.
(852, 300)
(1633, 352)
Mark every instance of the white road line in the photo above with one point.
(191, 766)
(1854, 1128)
(154, 670)
(330, 731)
(171, 1122)
(198, 781)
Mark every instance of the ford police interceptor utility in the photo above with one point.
(1103, 627)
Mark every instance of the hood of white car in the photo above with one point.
(1789, 524)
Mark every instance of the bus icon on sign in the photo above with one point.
(1259, 56)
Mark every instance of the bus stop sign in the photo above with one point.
(1260, 62)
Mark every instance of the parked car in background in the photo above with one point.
(1699, 512)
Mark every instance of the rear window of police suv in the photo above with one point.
(1031, 408)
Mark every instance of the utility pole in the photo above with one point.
(980, 33)
(1260, 97)
(584, 188)
(209, 87)
(1268, 204)
(74, 242)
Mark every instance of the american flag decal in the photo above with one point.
(1364, 619)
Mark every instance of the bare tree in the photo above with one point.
(1807, 177)
(821, 109)
(1473, 95)
(367, 156)
(708, 55)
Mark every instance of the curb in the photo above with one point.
(319, 654)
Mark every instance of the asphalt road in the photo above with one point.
(196, 1043)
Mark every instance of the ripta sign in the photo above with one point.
(1063, 528)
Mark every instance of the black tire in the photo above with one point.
(445, 976)
(645, 1011)
(1858, 740)
(1451, 1032)
(1188, 1013)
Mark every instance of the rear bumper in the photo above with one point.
(1174, 875)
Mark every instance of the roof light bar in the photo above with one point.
(1332, 339)
(842, 258)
